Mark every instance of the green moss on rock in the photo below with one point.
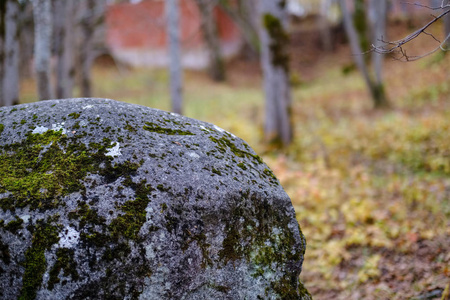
(44, 167)
(66, 263)
(44, 236)
(225, 144)
(269, 173)
(5, 256)
(152, 127)
(217, 172)
(14, 225)
(86, 216)
(242, 166)
(129, 224)
(129, 127)
(251, 235)
(119, 252)
(74, 115)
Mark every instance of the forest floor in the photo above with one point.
(371, 188)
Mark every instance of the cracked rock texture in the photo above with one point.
(106, 200)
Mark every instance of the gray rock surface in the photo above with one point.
(106, 200)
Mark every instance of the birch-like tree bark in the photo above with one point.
(377, 91)
(360, 23)
(211, 38)
(324, 25)
(2, 40)
(65, 44)
(175, 69)
(275, 65)
(42, 47)
(10, 78)
(91, 31)
(447, 30)
(246, 17)
(26, 40)
(378, 19)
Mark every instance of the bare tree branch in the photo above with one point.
(397, 47)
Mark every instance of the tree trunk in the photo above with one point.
(11, 59)
(91, 34)
(378, 19)
(211, 37)
(26, 40)
(378, 24)
(85, 46)
(64, 41)
(447, 30)
(248, 9)
(360, 24)
(275, 65)
(42, 47)
(245, 16)
(2, 40)
(175, 69)
(376, 91)
(324, 26)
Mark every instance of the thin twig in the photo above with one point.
(442, 6)
(397, 46)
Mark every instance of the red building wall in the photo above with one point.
(136, 34)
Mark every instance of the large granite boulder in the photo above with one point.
(106, 200)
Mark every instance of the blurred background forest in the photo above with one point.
(359, 138)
